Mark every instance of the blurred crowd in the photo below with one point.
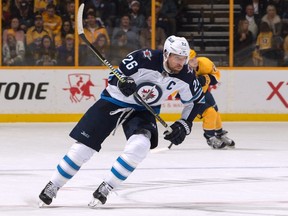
(261, 33)
(42, 32)
(38, 32)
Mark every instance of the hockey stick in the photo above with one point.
(161, 149)
(114, 71)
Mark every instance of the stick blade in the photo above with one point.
(155, 151)
(80, 19)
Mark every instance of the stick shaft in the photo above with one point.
(110, 66)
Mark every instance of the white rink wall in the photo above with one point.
(55, 91)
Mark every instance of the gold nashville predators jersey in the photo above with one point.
(206, 66)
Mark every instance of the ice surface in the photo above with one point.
(189, 180)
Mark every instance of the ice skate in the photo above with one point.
(228, 142)
(47, 194)
(214, 142)
(100, 195)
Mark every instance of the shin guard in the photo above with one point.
(136, 149)
(71, 163)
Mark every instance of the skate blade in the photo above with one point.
(41, 204)
(217, 148)
(94, 203)
(232, 145)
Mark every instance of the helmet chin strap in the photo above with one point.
(165, 64)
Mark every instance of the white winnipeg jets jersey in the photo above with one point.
(154, 85)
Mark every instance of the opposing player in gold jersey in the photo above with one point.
(207, 74)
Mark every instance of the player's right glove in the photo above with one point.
(128, 87)
(180, 129)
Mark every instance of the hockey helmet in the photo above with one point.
(175, 45)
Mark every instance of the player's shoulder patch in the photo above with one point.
(147, 54)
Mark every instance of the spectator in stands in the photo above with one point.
(120, 47)
(86, 56)
(46, 60)
(94, 27)
(33, 52)
(37, 31)
(40, 5)
(253, 19)
(123, 7)
(66, 52)
(47, 52)
(275, 23)
(107, 11)
(51, 20)
(34, 37)
(273, 20)
(279, 5)
(137, 18)
(263, 50)
(61, 6)
(243, 44)
(69, 13)
(65, 29)
(169, 9)
(6, 13)
(145, 36)
(258, 6)
(130, 31)
(103, 47)
(24, 12)
(162, 20)
(13, 50)
(15, 26)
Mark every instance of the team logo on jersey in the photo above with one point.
(149, 92)
(79, 87)
(147, 54)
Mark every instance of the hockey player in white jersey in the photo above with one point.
(154, 75)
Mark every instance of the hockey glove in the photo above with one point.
(180, 129)
(204, 81)
(128, 87)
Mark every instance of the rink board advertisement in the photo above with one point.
(70, 91)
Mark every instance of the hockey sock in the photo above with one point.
(135, 151)
(71, 163)
(209, 119)
(218, 123)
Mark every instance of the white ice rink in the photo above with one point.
(188, 180)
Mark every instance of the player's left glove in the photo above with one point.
(128, 87)
(180, 129)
